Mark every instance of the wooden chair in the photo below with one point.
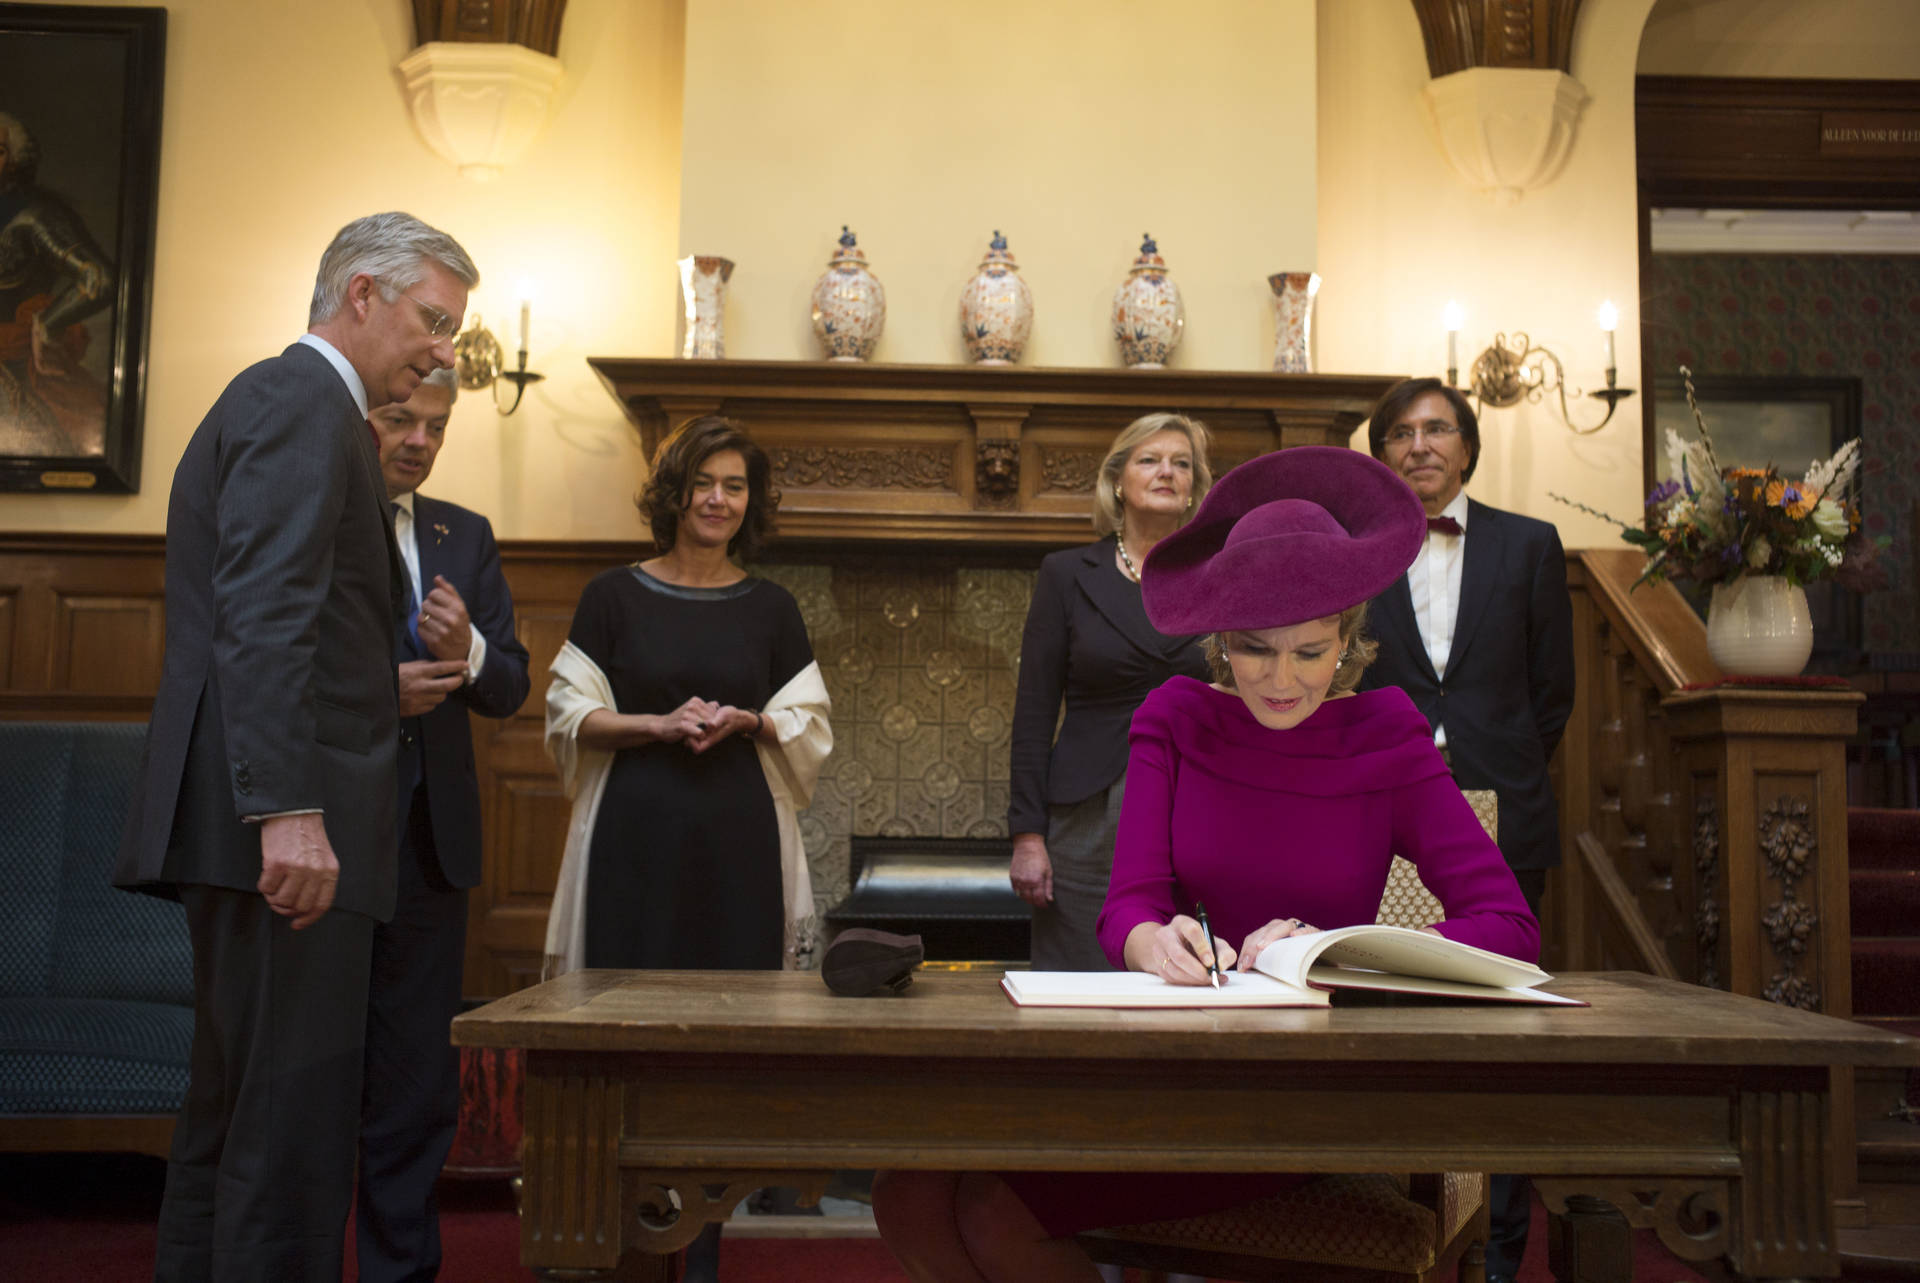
(1368, 1228)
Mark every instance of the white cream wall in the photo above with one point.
(283, 121)
(1071, 125)
(1845, 39)
(1401, 234)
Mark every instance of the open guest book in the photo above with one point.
(1304, 970)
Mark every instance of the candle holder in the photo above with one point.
(1513, 369)
(520, 376)
(479, 361)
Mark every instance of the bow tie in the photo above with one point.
(1443, 525)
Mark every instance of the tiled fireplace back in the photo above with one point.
(920, 656)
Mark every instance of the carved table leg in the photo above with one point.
(1590, 1243)
(1589, 1219)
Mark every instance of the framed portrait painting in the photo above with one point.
(1789, 422)
(80, 92)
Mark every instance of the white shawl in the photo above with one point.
(798, 714)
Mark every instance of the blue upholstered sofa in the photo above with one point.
(96, 985)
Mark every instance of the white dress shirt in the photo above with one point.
(343, 367)
(1433, 581)
(409, 540)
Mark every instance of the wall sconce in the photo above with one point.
(1512, 369)
(479, 361)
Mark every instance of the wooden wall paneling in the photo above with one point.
(106, 645)
(8, 616)
(82, 625)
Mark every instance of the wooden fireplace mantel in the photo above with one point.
(971, 454)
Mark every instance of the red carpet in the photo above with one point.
(81, 1218)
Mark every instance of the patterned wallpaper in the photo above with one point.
(1815, 316)
(920, 657)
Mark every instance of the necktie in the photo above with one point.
(406, 576)
(1443, 525)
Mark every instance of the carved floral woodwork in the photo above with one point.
(1706, 874)
(1004, 456)
(1787, 844)
(1070, 471)
(862, 469)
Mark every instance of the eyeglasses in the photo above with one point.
(1436, 434)
(439, 324)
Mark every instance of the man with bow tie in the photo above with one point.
(456, 652)
(1479, 633)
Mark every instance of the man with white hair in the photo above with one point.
(265, 803)
(456, 653)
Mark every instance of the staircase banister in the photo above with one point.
(1663, 632)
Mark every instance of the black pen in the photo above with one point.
(1213, 959)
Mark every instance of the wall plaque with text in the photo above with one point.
(1870, 133)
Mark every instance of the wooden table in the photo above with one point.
(1697, 1113)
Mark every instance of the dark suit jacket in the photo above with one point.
(1509, 684)
(1087, 640)
(458, 544)
(277, 692)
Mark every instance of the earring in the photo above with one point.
(1345, 651)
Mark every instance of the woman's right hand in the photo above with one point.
(1176, 951)
(1032, 870)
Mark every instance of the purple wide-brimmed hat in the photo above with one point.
(1288, 537)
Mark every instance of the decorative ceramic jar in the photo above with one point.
(703, 286)
(1148, 316)
(996, 309)
(849, 307)
(1759, 626)
(1293, 321)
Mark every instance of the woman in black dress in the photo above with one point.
(689, 723)
(1088, 643)
(716, 724)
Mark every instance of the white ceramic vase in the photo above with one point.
(1759, 626)
(996, 309)
(1148, 316)
(849, 305)
(1293, 321)
(703, 288)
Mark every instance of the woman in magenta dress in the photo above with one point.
(1275, 795)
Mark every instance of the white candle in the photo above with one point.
(1451, 317)
(526, 309)
(1609, 321)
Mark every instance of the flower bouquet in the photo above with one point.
(1716, 525)
(1755, 538)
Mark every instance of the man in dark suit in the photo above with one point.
(457, 653)
(265, 803)
(1479, 632)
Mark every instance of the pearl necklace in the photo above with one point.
(1121, 541)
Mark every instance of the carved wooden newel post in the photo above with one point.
(1762, 775)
